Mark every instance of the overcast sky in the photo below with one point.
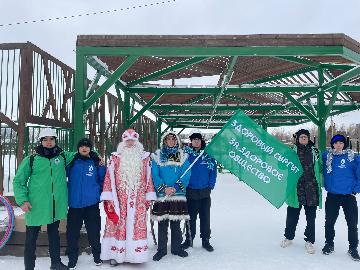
(177, 17)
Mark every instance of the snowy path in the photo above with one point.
(246, 232)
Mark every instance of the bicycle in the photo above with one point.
(7, 219)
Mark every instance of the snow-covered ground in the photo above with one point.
(246, 233)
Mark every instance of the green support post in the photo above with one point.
(159, 122)
(80, 88)
(321, 113)
(126, 109)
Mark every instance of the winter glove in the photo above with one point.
(110, 211)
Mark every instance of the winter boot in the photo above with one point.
(98, 262)
(186, 244)
(158, 255)
(181, 253)
(59, 266)
(354, 254)
(328, 249)
(309, 247)
(113, 262)
(285, 243)
(206, 244)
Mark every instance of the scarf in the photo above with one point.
(205, 157)
(331, 154)
(167, 153)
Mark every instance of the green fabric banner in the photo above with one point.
(257, 158)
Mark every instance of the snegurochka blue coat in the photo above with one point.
(85, 181)
(341, 172)
(167, 174)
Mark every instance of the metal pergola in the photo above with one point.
(277, 80)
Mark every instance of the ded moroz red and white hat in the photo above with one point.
(130, 134)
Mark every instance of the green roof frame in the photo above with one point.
(181, 115)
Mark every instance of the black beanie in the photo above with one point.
(85, 142)
(196, 136)
(302, 131)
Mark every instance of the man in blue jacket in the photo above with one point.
(85, 180)
(341, 170)
(202, 181)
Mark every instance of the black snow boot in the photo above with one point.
(186, 244)
(59, 266)
(158, 255)
(328, 249)
(354, 254)
(206, 245)
(181, 253)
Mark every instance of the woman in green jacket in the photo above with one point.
(40, 188)
(307, 192)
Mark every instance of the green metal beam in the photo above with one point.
(331, 102)
(228, 74)
(337, 66)
(227, 117)
(282, 75)
(144, 108)
(80, 86)
(126, 109)
(298, 60)
(215, 51)
(167, 70)
(181, 131)
(196, 99)
(166, 129)
(208, 107)
(342, 78)
(110, 81)
(239, 99)
(93, 84)
(158, 123)
(301, 108)
(231, 89)
(351, 55)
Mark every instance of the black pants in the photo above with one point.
(202, 208)
(350, 208)
(32, 233)
(176, 236)
(91, 217)
(292, 219)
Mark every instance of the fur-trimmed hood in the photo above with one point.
(167, 133)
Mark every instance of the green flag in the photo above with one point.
(257, 158)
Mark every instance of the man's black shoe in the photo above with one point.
(206, 245)
(354, 254)
(181, 253)
(328, 249)
(59, 266)
(186, 244)
(158, 255)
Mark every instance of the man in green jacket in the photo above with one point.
(307, 192)
(40, 188)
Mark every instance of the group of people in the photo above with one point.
(175, 183)
(340, 168)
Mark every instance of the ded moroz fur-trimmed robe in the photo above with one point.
(126, 241)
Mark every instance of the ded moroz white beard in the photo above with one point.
(130, 164)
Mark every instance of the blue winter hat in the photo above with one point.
(338, 138)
